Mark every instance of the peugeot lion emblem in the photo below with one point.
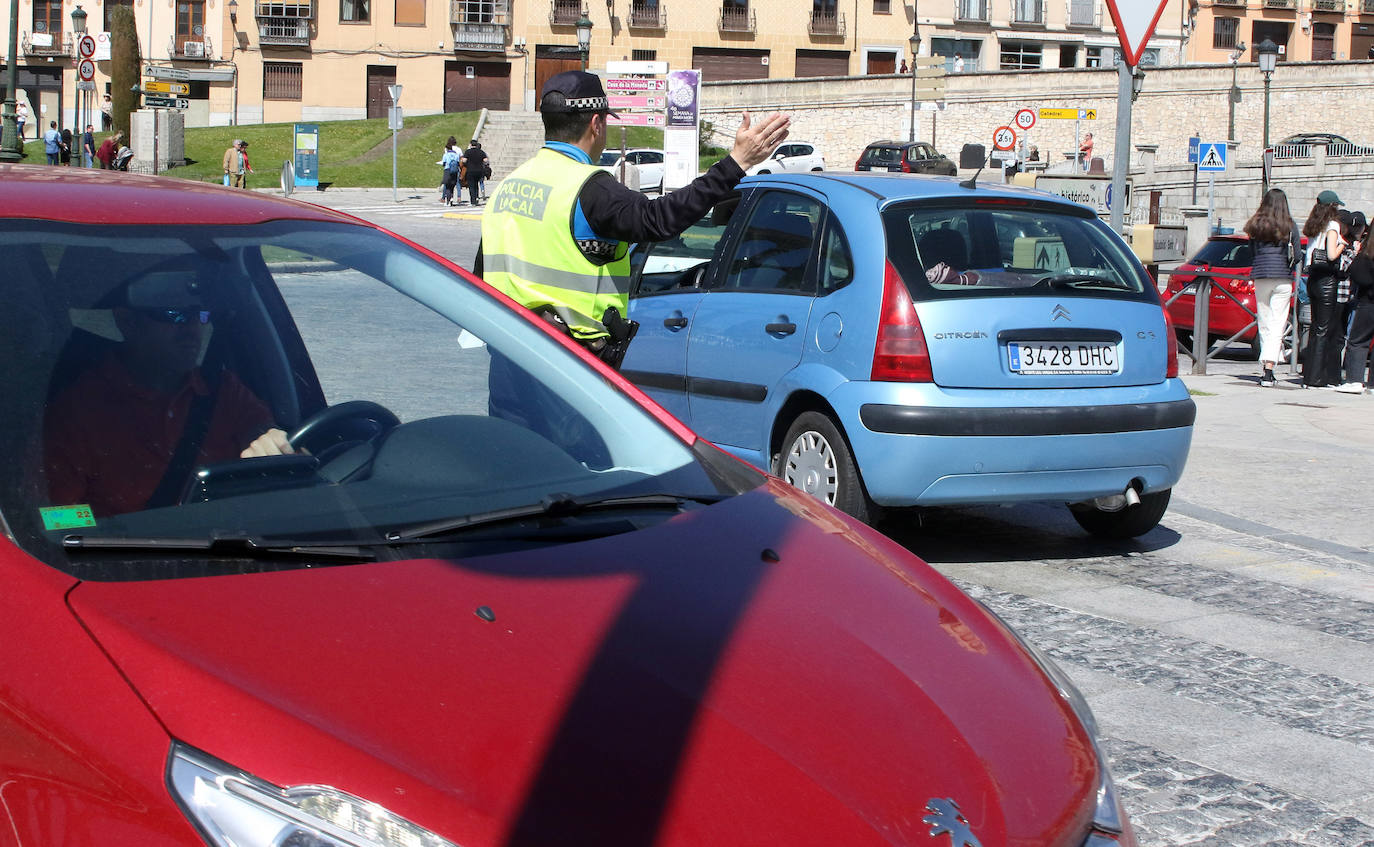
(945, 817)
(1060, 313)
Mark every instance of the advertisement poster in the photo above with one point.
(681, 134)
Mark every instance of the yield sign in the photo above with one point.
(1135, 22)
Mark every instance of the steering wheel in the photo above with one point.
(341, 425)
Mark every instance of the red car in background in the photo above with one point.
(1226, 260)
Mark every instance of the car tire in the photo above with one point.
(1129, 522)
(815, 458)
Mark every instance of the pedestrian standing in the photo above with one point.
(475, 168)
(106, 114)
(88, 146)
(236, 167)
(1277, 247)
(52, 143)
(1085, 150)
(21, 115)
(1361, 320)
(67, 140)
(958, 63)
(1325, 241)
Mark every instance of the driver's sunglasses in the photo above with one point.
(177, 316)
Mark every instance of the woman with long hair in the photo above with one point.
(1325, 241)
(1362, 319)
(1276, 246)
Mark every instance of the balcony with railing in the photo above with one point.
(654, 16)
(1240, 3)
(1328, 5)
(1028, 12)
(1085, 14)
(1280, 4)
(825, 23)
(194, 48)
(47, 44)
(480, 24)
(737, 19)
(1367, 7)
(284, 24)
(972, 11)
(565, 12)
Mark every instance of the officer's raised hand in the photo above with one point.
(755, 141)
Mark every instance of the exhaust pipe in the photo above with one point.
(1116, 502)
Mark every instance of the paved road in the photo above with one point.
(1228, 654)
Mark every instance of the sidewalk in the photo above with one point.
(1285, 461)
(417, 199)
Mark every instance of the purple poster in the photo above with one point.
(684, 90)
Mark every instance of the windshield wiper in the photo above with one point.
(229, 546)
(557, 505)
(1070, 279)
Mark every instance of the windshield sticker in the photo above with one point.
(66, 517)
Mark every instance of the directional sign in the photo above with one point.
(622, 84)
(164, 72)
(637, 67)
(637, 101)
(1135, 22)
(1003, 138)
(1025, 118)
(153, 86)
(1058, 114)
(1211, 156)
(160, 102)
(86, 46)
(636, 119)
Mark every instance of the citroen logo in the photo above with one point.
(1060, 313)
(945, 817)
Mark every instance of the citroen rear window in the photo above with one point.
(998, 246)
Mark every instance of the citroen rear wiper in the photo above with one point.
(228, 546)
(1071, 278)
(557, 505)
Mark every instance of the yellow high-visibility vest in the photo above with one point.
(528, 251)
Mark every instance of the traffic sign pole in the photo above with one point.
(1121, 156)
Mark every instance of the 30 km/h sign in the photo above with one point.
(154, 86)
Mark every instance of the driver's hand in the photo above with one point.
(271, 443)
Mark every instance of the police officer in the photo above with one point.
(556, 234)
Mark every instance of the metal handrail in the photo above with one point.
(1202, 352)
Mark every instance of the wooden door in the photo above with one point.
(550, 61)
(470, 86)
(378, 98)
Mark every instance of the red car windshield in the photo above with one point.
(1225, 253)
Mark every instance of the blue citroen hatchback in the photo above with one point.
(886, 341)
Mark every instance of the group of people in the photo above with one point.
(1339, 265)
(58, 144)
(469, 168)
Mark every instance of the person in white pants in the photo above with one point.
(1277, 247)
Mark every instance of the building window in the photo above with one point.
(354, 11)
(644, 55)
(410, 12)
(1224, 31)
(1020, 56)
(190, 21)
(882, 7)
(281, 80)
(111, 5)
(47, 17)
(1092, 57)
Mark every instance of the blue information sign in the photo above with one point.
(307, 155)
(1193, 143)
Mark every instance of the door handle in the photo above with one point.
(674, 323)
(780, 328)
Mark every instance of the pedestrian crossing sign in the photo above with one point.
(1212, 157)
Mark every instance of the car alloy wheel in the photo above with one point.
(816, 459)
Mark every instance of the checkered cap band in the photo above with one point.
(587, 104)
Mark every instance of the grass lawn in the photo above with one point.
(344, 146)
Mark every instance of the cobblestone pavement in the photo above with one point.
(1229, 653)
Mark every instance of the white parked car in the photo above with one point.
(791, 156)
(648, 162)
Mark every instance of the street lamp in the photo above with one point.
(1268, 59)
(9, 137)
(79, 30)
(1234, 96)
(584, 36)
(915, 41)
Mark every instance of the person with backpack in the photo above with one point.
(449, 162)
(475, 169)
(1325, 243)
(1277, 248)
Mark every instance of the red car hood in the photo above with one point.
(760, 671)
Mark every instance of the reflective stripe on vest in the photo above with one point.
(528, 251)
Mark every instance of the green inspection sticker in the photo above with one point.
(67, 517)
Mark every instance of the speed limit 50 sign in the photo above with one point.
(1025, 118)
(1003, 138)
